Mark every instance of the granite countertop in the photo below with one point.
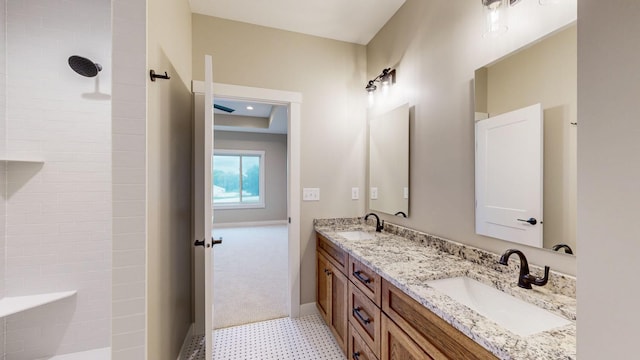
(408, 258)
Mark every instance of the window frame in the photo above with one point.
(240, 153)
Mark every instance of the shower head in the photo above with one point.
(84, 66)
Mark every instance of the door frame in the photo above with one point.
(293, 101)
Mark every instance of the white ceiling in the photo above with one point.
(355, 21)
(276, 113)
(240, 107)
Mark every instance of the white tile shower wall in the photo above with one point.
(58, 215)
(129, 179)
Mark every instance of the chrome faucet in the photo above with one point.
(379, 225)
(525, 279)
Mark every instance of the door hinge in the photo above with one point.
(289, 220)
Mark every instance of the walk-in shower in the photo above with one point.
(55, 180)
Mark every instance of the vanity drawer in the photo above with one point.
(435, 336)
(364, 316)
(358, 349)
(337, 256)
(366, 280)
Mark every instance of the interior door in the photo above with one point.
(509, 176)
(203, 211)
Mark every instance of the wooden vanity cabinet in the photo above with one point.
(436, 338)
(331, 295)
(372, 319)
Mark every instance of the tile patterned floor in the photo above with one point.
(305, 338)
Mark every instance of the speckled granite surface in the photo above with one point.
(408, 258)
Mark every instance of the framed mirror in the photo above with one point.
(389, 161)
(543, 73)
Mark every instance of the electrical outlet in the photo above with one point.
(374, 193)
(355, 193)
(310, 194)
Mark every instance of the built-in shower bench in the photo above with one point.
(14, 304)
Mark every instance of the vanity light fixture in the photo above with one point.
(386, 78)
(371, 87)
(495, 12)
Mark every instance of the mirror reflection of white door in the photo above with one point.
(203, 211)
(509, 176)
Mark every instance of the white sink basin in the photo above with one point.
(519, 317)
(356, 235)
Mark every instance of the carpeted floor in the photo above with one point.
(250, 275)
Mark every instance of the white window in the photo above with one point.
(238, 179)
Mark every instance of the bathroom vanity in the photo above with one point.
(380, 295)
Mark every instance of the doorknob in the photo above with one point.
(216, 241)
(531, 221)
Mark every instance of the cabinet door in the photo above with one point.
(331, 298)
(339, 314)
(396, 345)
(323, 287)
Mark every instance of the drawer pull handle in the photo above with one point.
(356, 356)
(356, 312)
(358, 274)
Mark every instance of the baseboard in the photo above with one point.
(249, 223)
(186, 343)
(308, 309)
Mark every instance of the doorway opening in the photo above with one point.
(291, 102)
(249, 197)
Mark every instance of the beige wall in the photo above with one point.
(546, 73)
(608, 178)
(331, 77)
(436, 46)
(275, 148)
(169, 179)
(3, 165)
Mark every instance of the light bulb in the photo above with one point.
(495, 17)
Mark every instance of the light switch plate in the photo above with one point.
(406, 193)
(311, 194)
(374, 193)
(355, 193)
